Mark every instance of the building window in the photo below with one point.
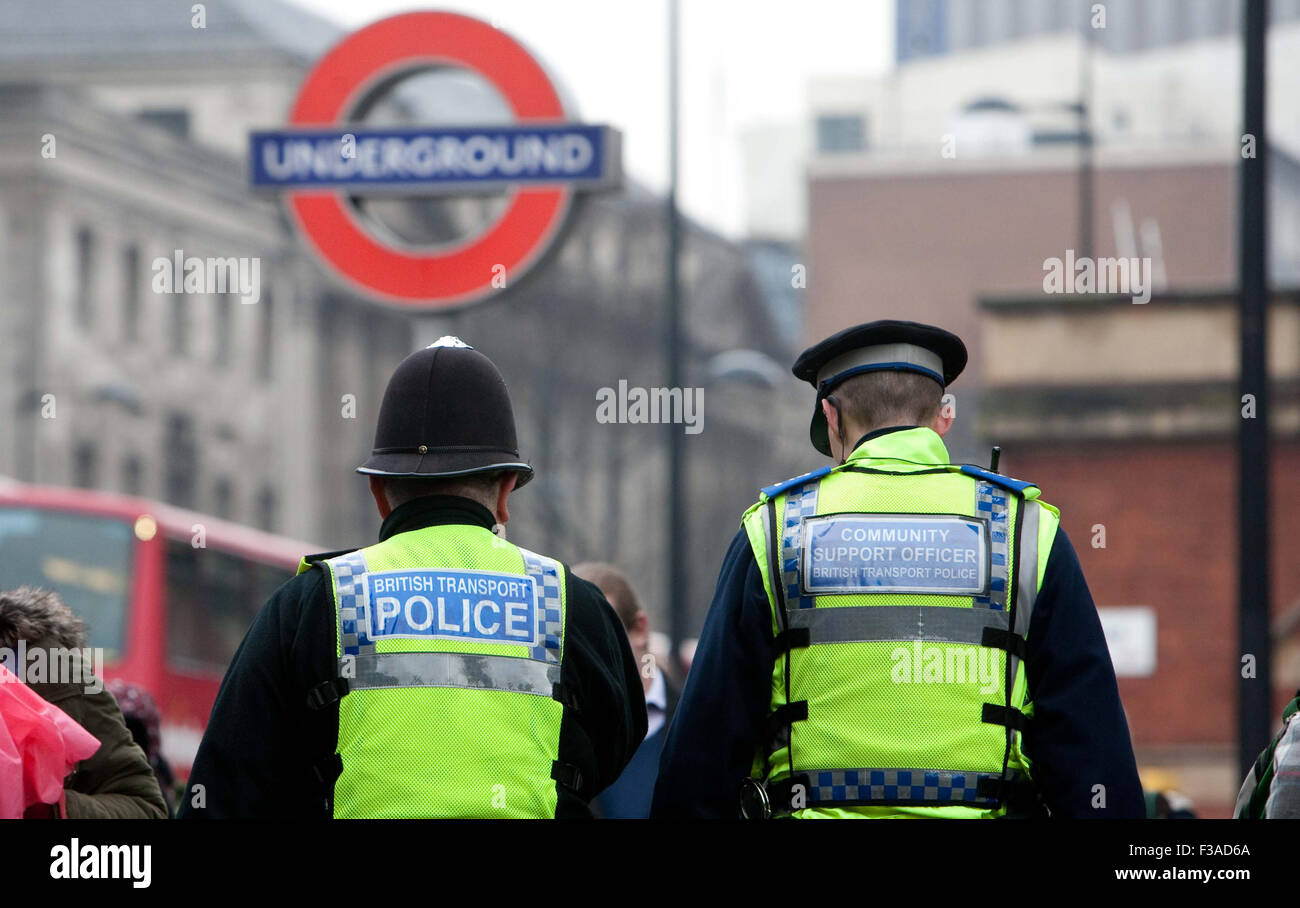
(841, 133)
(212, 598)
(85, 276)
(132, 475)
(266, 337)
(180, 455)
(85, 465)
(223, 498)
(174, 120)
(1058, 16)
(266, 509)
(180, 323)
(131, 293)
(980, 14)
(225, 303)
(921, 28)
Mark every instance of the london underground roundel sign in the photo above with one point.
(321, 160)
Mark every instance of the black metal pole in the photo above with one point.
(676, 525)
(1085, 139)
(1254, 702)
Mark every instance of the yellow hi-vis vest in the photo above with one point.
(450, 643)
(901, 588)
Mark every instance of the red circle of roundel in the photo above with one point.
(464, 272)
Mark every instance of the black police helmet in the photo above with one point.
(446, 412)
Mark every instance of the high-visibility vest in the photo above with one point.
(450, 641)
(901, 589)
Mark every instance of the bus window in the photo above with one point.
(268, 578)
(85, 559)
(212, 598)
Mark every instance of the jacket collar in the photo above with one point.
(913, 444)
(435, 510)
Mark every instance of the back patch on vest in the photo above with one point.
(452, 604)
(895, 553)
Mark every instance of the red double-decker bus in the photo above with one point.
(166, 593)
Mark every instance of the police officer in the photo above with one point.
(443, 672)
(897, 635)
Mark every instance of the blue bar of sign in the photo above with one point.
(434, 158)
(452, 604)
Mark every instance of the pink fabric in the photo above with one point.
(39, 746)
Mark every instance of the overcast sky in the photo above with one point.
(743, 63)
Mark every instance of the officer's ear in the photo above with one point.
(832, 414)
(505, 486)
(943, 422)
(381, 498)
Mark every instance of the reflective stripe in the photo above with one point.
(869, 623)
(991, 504)
(897, 786)
(550, 618)
(1027, 567)
(469, 670)
(1026, 579)
(800, 503)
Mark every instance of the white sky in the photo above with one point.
(743, 63)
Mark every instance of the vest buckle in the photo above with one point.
(327, 692)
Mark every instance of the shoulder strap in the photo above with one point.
(774, 490)
(1019, 486)
(310, 561)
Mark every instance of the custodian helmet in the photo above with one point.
(446, 412)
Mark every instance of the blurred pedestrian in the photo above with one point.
(443, 672)
(40, 745)
(629, 797)
(117, 781)
(1271, 790)
(870, 650)
(143, 720)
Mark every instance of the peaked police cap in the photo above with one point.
(887, 344)
(446, 412)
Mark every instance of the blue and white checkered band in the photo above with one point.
(549, 574)
(800, 502)
(349, 573)
(897, 786)
(991, 503)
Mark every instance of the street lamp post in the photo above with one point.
(1254, 700)
(676, 523)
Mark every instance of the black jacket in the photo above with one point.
(262, 743)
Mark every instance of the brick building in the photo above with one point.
(1125, 415)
